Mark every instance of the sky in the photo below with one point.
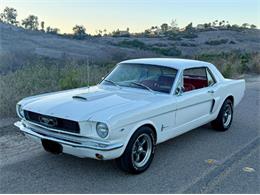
(138, 15)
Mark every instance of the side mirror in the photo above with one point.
(179, 90)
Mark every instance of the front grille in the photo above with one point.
(52, 122)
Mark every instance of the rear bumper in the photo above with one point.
(85, 148)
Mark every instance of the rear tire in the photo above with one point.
(139, 152)
(225, 117)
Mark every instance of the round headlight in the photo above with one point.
(102, 130)
(20, 111)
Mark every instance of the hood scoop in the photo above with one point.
(79, 97)
(91, 96)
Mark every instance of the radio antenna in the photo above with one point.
(88, 71)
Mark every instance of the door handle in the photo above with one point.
(211, 91)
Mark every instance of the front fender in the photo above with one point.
(132, 128)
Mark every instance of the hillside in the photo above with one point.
(18, 40)
(19, 43)
(244, 41)
(33, 62)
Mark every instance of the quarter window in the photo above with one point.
(211, 80)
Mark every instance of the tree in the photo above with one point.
(99, 33)
(207, 25)
(164, 27)
(79, 31)
(174, 25)
(215, 23)
(222, 23)
(147, 33)
(235, 27)
(252, 26)
(9, 16)
(189, 27)
(245, 25)
(116, 33)
(105, 32)
(42, 26)
(31, 22)
(52, 30)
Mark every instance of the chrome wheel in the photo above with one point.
(227, 116)
(141, 150)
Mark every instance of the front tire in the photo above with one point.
(139, 152)
(225, 117)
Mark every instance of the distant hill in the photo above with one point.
(210, 42)
(34, 62)
(20, 43)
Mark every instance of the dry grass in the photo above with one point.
(233, 64)
(40, 78)
(41, 75)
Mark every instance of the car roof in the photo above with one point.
(176, 63)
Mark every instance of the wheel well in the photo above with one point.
(153, 129)
(231, 98)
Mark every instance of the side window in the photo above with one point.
(195, 78)
(211, 80)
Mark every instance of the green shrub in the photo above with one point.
(255, 63)
(216, 42)
(132, 43)
(70, 80)
(188, 45)
(227, 70)
(244, 60)
(25, 82)
(234, 63)
(174, 36)
(40, 78)
(172, 51)
(189, 35)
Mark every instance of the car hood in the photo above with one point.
(82, 104)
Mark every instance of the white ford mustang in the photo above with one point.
(141, 103)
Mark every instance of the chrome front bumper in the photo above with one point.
(85, 143)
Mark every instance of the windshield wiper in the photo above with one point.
(142, 85)
(114, 83)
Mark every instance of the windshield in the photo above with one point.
(143, 76)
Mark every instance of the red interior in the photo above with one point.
(165, 80)
(194, 83)
(163, 84)
(149, 83)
